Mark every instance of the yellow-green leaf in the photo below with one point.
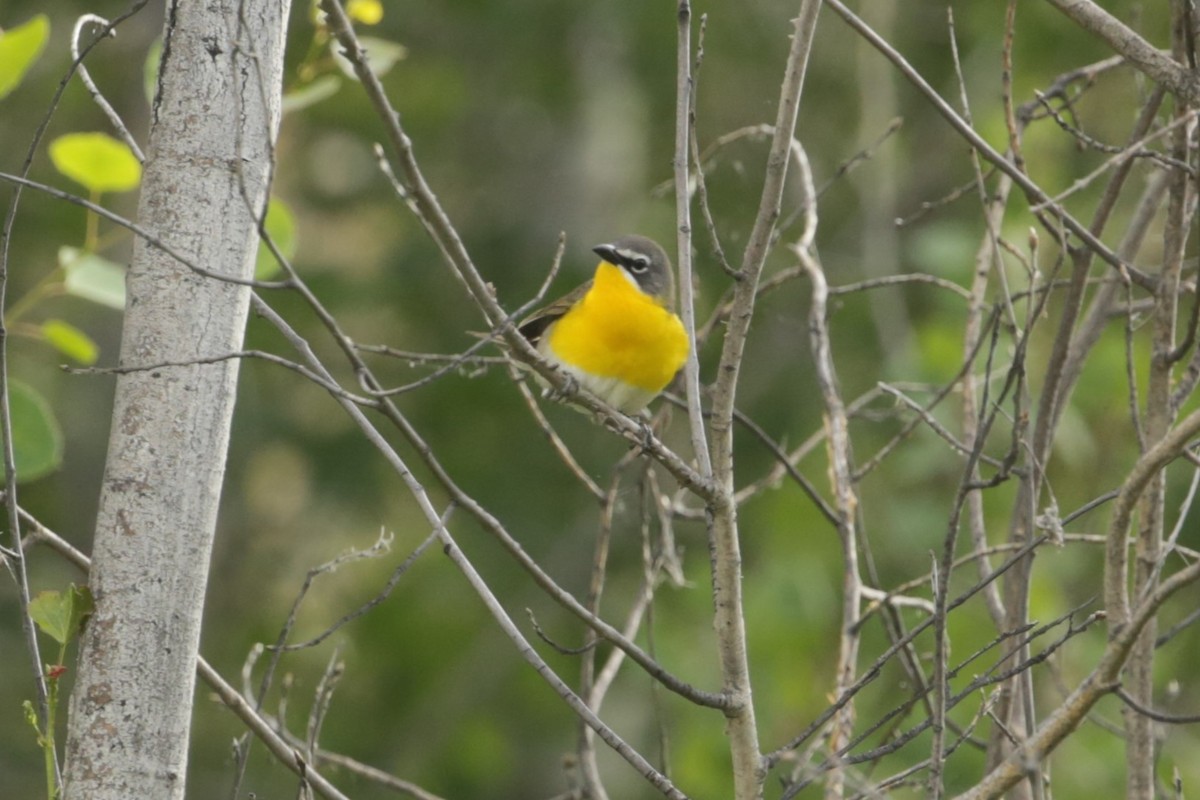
(368, 12)
(83, 605)
(70, 341)
(32, 718)
(311, 94)
(60, 615)
(19, 48)
(49, 610)
(382, 55)
(96, 160)
(93, 278)
(37, 438)
(281, 227)
(150, 69)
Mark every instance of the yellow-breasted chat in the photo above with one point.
(616, 334)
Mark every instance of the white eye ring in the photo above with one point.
(639, 264)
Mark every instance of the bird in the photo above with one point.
(617, 334)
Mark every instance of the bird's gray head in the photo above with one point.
(643, 261)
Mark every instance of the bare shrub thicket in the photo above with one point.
(1055, 417)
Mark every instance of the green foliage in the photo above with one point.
(317, 83)
(100, 163)
(281, 228)
(37, 437)
(45, 741)
(310, 94)
(93, 277)
(533, 117)
(61, 615)
(367, 12)
(19, 48)
(150, 70)
(382, 55)
(70, 341)
(97, 161)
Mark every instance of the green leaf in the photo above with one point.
(32, 718)
(281, 227)
(37, 438)
(311, 94)
(382, 55)
(70, 341)
(83, 605)
(19, 48)
(150, 70)
(368, 12)
(52, 613)
(61, 616)
(96, 160)
(93, 278)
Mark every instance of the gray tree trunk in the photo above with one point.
(214, 124)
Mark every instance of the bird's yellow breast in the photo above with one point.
(618, 332)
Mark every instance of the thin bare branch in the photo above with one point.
(1124, 40)
(635, 759)
(97, 96)
(1101, 681)
(1034, 192)
(684, 133)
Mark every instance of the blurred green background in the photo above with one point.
(529, 118)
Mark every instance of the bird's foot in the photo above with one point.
(568, 392)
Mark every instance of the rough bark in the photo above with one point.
(215, 117)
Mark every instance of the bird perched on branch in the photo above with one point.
(617, 334)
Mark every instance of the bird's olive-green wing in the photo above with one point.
(533, 326)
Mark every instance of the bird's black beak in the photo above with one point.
(607, 252)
